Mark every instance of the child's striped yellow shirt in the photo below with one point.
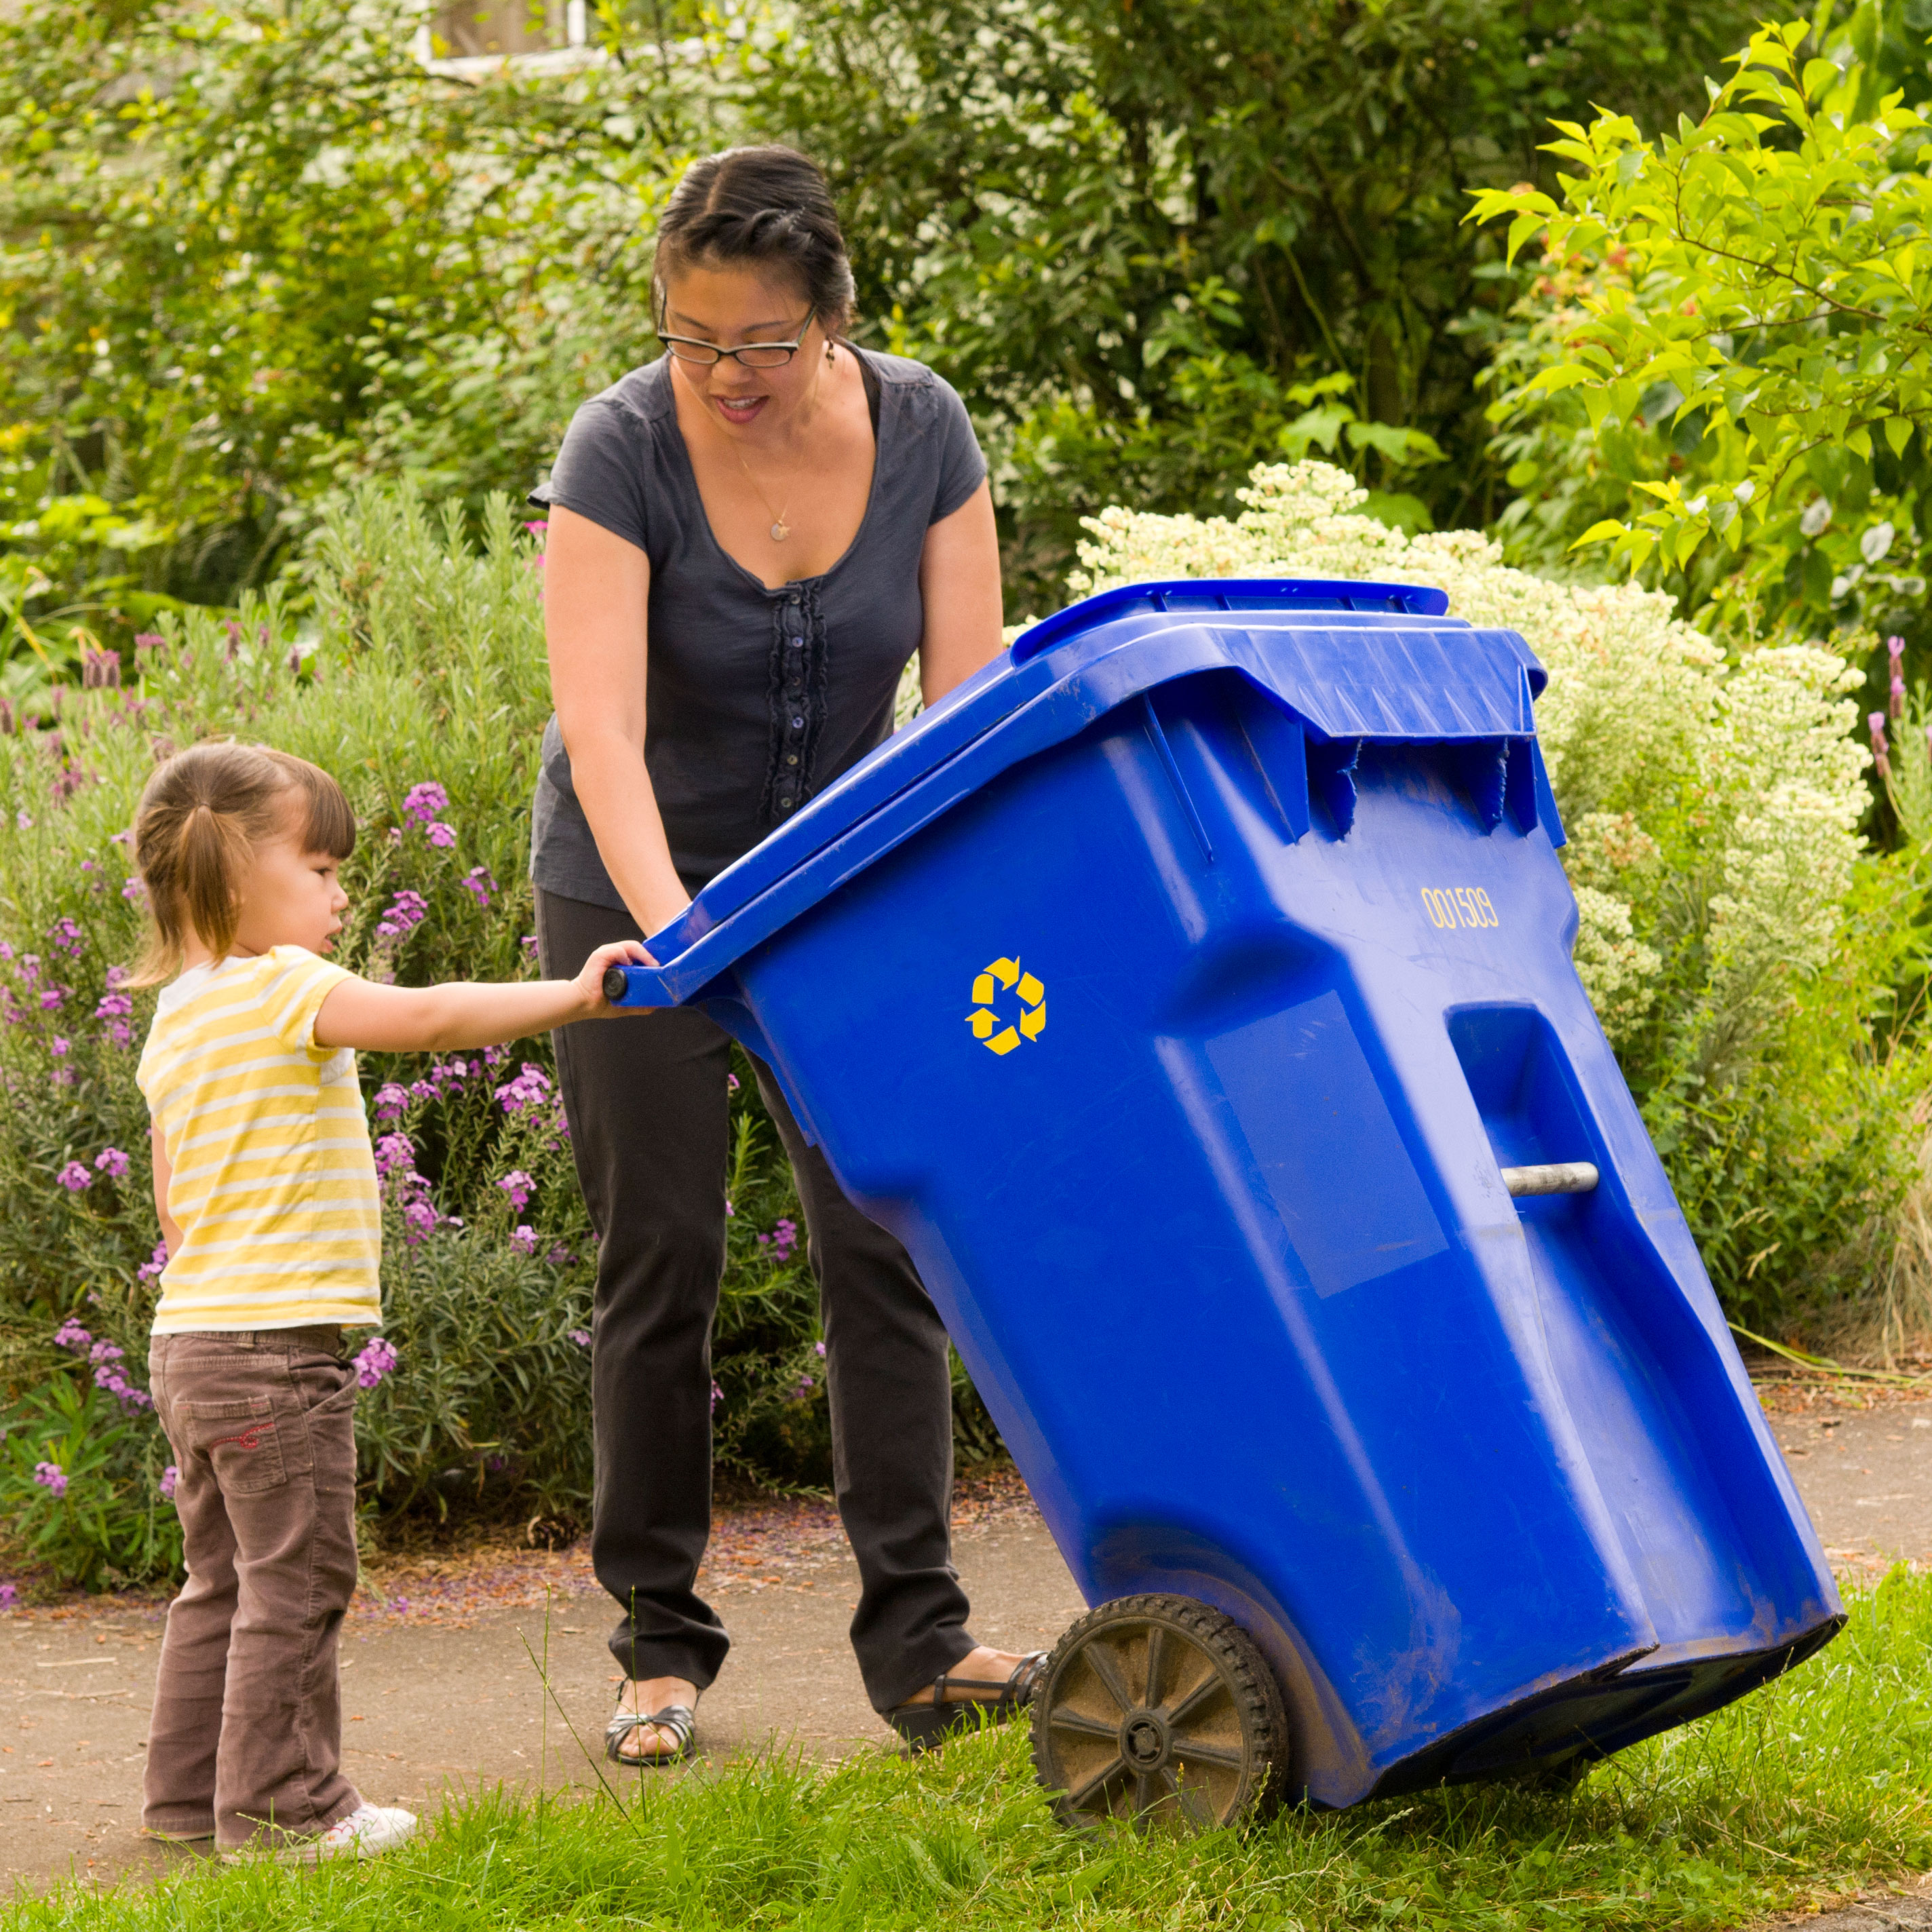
(274, 1185)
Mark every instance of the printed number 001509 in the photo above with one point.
(1458, 905)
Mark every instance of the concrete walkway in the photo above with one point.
(433, 1708)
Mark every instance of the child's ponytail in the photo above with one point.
(201, 816)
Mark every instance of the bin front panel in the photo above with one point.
(1193, 1121)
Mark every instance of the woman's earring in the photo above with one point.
(831, 352)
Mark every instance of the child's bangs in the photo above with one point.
(328, 825)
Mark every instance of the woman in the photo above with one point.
(749, 539)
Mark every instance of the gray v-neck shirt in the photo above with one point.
(757, 699)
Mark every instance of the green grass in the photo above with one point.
(1818, 1784)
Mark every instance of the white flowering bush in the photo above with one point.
(1713, 804)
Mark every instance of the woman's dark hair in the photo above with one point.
(767, 206)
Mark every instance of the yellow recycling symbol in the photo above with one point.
(986, 1023)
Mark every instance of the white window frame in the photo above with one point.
(575, 52)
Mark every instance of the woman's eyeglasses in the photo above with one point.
(751, 355)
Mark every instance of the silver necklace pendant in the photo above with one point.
(779, 533)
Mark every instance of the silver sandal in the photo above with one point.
(678, 1719)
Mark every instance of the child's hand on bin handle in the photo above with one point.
(618, 980)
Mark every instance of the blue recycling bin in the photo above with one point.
(1191, 993)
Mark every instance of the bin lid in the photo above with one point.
(1354, 661)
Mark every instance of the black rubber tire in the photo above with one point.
(1134, 1698)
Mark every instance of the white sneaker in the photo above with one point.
(366, 1832)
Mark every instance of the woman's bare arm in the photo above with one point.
(596, 599)
(959, 582)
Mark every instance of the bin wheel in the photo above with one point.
(1158, 1711)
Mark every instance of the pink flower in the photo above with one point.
(152, 1267)
(106, 1351)
(480, 885)
(377, 1360)
(9, 1596)
(531, 1086)
(420, 1218)
(51, 1476)
(581, 1336)
(114, 1006)
(112, 1163)
(439, 834)
(71, 1335)
(818, 1349)
(1875, 723)
(717, 1396)
(60, 1046)
(423, 803)
(65, 934)
(54, 998)
(117, 975)
(523, 1239)
(395, 1154)
(519, 1186)
(74, 1178)
(170, 1476)
(391, 1102)
(136, 888)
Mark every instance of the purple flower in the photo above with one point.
(377, 1360)
(407, 911)
(391, 1102)
(528, 942)
(531, 1086)
(424, 802)
(1875, 723)
(71, 1335)
(106, 1351)
(805, 1386)
(395, 1154)
(1895, 649)
(115, 1008)
(523, 1239)
(9, 1596)
(170, 1476)
(136, 888)
(112, 1163)
(439, 834)
(784, 1239)
(74, 1178)
(60, 1046)
(581, 1336)
(54, 998)
(480, 885)
(422, 1089)
(730, 1083)
(65, 933)
(717, 1396)
(51, 1476)
(818, 1349)
(152, 1267)
(420, 1218)
(559, 1256)
(518, 1186)
(117, 975)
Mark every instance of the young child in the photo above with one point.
(266, 1188)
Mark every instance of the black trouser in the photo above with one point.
(649, 1125)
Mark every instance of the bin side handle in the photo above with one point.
(1562, 1177)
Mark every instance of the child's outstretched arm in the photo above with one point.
(463, 1013)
